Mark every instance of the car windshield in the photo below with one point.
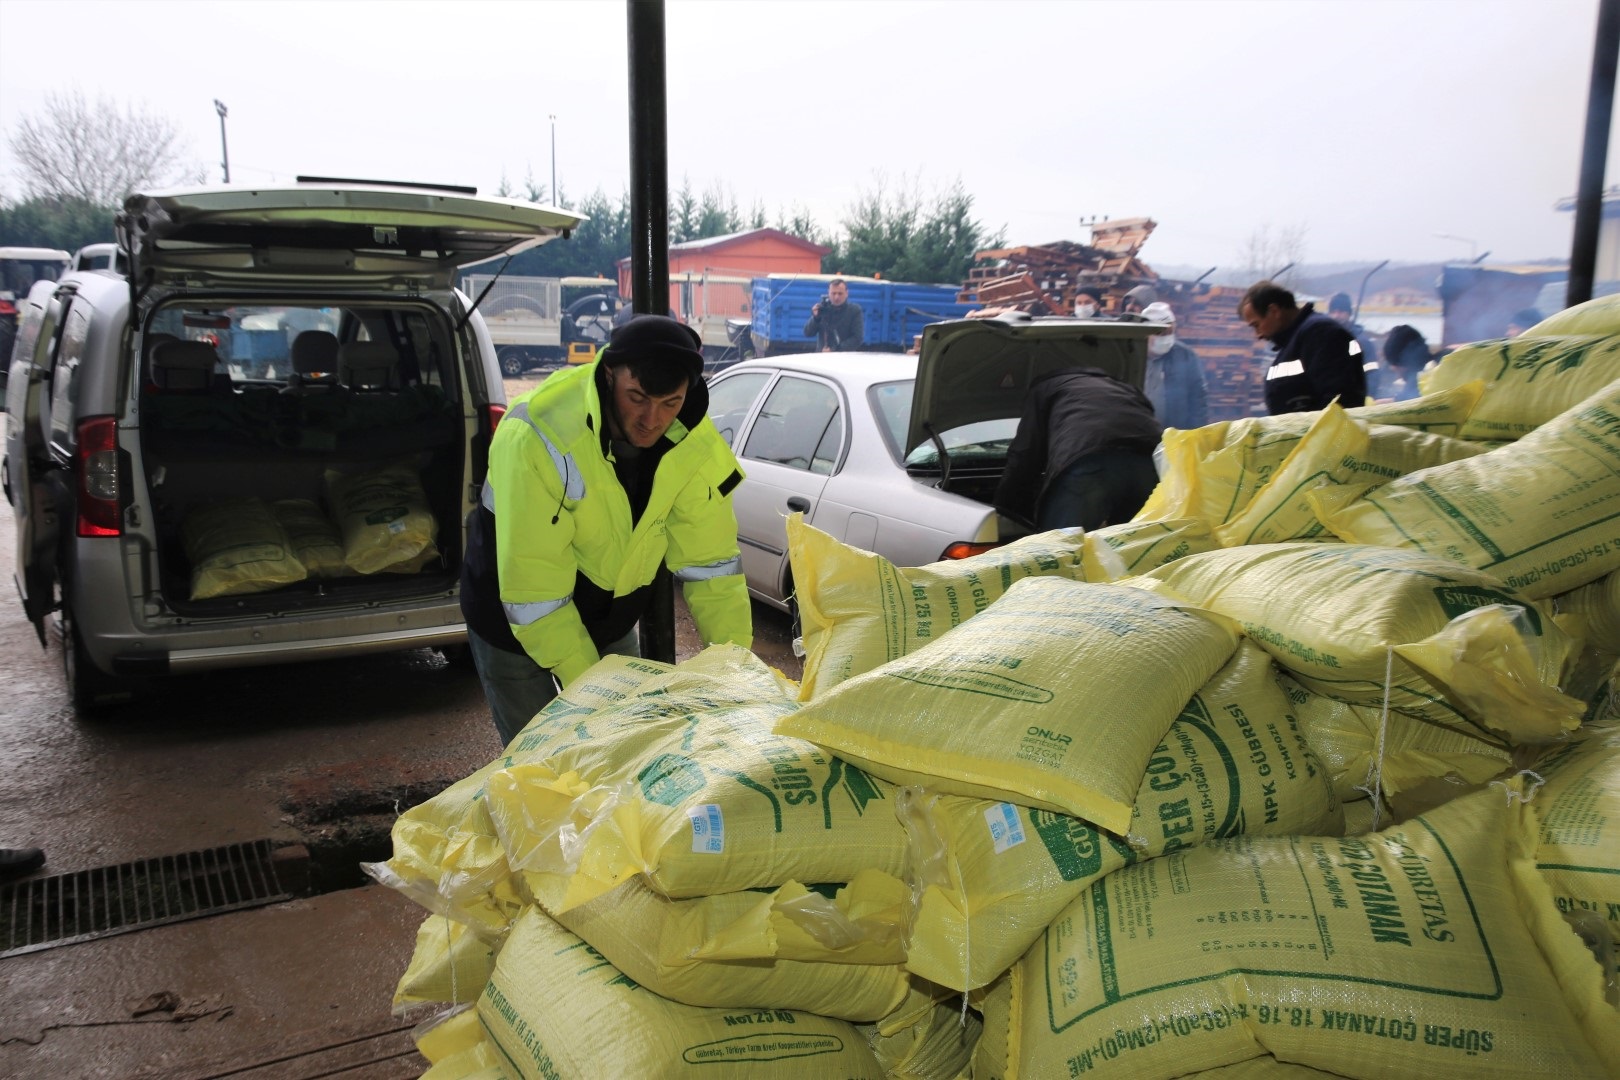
(982, 440)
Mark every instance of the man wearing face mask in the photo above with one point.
(1175, 375)
(1087, 303)
(596, 478)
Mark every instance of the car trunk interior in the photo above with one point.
(261, 417)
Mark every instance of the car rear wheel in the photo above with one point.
(91, 690)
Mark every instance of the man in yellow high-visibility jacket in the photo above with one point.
(598, 476)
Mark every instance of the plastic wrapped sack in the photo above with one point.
(556, 1008)
(1428, 951)
(237, 546)
(1579, 813)
(859, 610)
(1542, 515)
(314, 539)
(1332, 615)
(991, 876)
(384, 516)
(1528, 380)
(938, 1047)
(450, 964)
(1014, 703)
(675, 773)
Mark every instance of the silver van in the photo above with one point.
(261, 444)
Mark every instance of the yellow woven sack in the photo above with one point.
(1331, 614)
(652, 939)
(859, 610)
(557, 1009)
(990, 877)
(449, 964)
(384, 516)
(681, 778)
(1528, 380)
(1599, 315)
(237, 546)
(314, 539)
(1216, 479)
(1366, 749)
(857, 923)
(938, 1047)
(1542, 515)
(994, 1003)
(1579, 814)
(1432, 950)
(456, 1045)
(1597, 605)
(1015, 703)
(1336, 449)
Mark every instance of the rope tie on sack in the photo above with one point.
(1374, 787)
(967, 961)
(450, 952)
(1532, 785)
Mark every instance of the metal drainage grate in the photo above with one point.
(43, 913)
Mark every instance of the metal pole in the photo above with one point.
(554, 201)
(1589, 192)
(224, 151)
(649, 243)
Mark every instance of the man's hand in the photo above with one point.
(815, 311)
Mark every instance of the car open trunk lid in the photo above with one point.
(359, 232)
(973, 370)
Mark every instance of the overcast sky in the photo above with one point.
(1372, 124)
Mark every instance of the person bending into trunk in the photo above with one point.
(596, 478)
(1083, 454)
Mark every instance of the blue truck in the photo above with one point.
(895, 311)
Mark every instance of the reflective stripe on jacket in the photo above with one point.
(561, 522)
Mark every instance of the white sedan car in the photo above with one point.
(835, 436)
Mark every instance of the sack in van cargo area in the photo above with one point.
(237, 546)
(1578, 809)
(938, 1047)
(651, 939)
(1542, 514)
(1430, 950)
(385, 519)
(859, 610)
(1015, 703)
(1364, 748)
(315, 540)
(989, 877)
(458, 1047)
(994, 1003)
(1528, 380)
(1599, 315)
(1597, 605)
(1331, 614)
(556, 1008)
(682, 779)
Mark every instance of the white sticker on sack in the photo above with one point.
(708, 829)
(1006, 830)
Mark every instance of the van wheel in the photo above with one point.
(90, 689)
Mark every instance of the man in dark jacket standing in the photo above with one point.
(1317, 362)
(1083, 454)
(837, 324)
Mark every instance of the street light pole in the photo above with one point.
(224, 151)
(553, 159)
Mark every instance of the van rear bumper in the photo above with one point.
(151, 662)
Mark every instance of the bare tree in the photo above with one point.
(1266, 252)
(94, 152)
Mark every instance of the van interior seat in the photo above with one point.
(368, 365)
(315, 354)
(184, 365)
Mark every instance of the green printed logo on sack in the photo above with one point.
(1075, 845)
(669, 780)
(1458, 600)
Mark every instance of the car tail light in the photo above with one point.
(97, 469)
(7, 307)
(963, 549)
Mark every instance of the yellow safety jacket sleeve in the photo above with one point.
(703, 552)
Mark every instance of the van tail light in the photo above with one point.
(97, 469)
(964, 549)
(492, 416)
(7, 307)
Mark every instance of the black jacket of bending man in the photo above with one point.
(1067, 416)
(1317, 361)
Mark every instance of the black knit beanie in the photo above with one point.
(648, 341)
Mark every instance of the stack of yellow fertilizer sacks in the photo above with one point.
(1310, 770)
